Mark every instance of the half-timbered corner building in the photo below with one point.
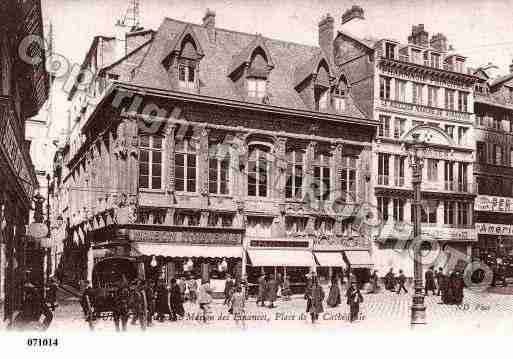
(220, 151)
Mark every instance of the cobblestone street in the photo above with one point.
(490, 313)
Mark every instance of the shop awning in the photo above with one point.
(359, 259)
(281, 258)
(169, 250)
(330, 259)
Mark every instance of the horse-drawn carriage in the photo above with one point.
(110, 276)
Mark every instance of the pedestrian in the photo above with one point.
(180, 282)
(458, 288)
(140, 305)
(390, 280)
(354, 298)
(176, 301)
(87, 303)
(440, 281)
(204, 299)
(151, 299)
(334, 295)
(228, 289)
(32, 308)
(430, 281)
(51, 294)
(162, 302)
(272, 291)
(262, 286)
(401, 281)
(121, 305)
(374, 279)
(286, 292)
(238, 304)
(315, 297)
(192, 285)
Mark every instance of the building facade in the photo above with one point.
(219, 151)
(493, 170)
(23, 90)
(416, 87)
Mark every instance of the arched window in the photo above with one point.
(150, 162)
(185, 165)
(259, 166)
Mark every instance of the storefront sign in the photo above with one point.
(334, 242)
(404, 231)
(190, 237)
(494, 229)
(494, 204)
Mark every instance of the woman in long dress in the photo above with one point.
(334, 294)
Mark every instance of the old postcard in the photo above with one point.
(243, 165)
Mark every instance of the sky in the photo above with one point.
(478, 29)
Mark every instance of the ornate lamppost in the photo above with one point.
(416, 160)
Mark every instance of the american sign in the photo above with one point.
(493, 228)
(494, 204)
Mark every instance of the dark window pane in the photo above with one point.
(179, 184)
(179, 159)
(251, 189)
(179, 172)
(157, 142)
(191, 185)
(156, 169)
(262, 190)
(156, 182)
(157, 156)
(144, 156)
(181, 73)
(191, 74)
(143, 181)
(143, 168)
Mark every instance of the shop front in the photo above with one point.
(172, 252)
(336, 254)
(279, 258)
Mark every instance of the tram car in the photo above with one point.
(108, 274)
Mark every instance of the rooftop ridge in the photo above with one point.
(241, 33)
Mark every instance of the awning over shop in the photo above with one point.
(169, 250)
(359, 259)
(281, 258)
(330, 259)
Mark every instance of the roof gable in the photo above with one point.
(244, 56)
(185, 43)
(311, 67)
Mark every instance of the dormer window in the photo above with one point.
(322, 85)
(321, 98)
(435, 60)
(256, 87)
(389, 51)
(458, 65)
(187, 76)
(339, 96)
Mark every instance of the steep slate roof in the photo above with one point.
(227, 49)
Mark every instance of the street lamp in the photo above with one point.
(46, 244)
(416, 150)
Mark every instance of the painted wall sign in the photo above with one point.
(188, 237)
(494, 229)
(493, 204)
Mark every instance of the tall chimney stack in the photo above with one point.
(209, 20)
(326, 35)
(419, 36)
(439, 42)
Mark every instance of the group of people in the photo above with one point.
(160, 298)
(449, 287)
(314, 296)
(270, 289)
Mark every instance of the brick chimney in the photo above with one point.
(326, 35)
(209, 20)
(419, 36)
(439, 42)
